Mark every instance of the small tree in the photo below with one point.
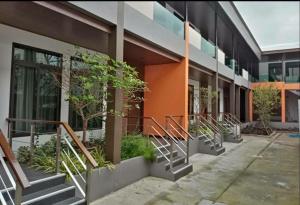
(88, 88)
(265, 100)
(205, 95)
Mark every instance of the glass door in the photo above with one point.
(35, 94)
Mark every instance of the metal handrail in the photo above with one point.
(202, 125)
(214, 128)
(21, 180)
(69, 130)
(90, 161)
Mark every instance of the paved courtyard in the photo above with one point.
(258, 171)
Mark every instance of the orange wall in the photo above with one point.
(168, 88)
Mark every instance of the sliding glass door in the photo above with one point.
(35, 93)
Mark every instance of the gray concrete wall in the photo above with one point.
(106, 10)
(105, 181)
(225, 71)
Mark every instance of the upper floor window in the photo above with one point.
(275, 72)
(292, 72)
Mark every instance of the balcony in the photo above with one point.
(292, 79)
(168, 20)
(208, 48)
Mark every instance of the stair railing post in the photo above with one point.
(88, 183)
(187, 149)
(58, 149)
(171, 153)
(18, 193)
(32, 131)
(9, 132)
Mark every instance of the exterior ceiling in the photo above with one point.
(44, 21)
(136, 52)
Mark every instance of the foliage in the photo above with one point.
(265, 100)
(44, 157)
(198, 129)
(23, 154)
(92, 79)
(205, 95)
(137, 145)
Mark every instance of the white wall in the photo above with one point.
(195, 38)
(221, 56)
(144, 7)
(8, 35)
(221, 108)
(196, 85)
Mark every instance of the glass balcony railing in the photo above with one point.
(165, 18)
(229, 62)
(292, 79)
(195, 38)
(208, 47)
(263, 78)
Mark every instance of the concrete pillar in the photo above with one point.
(113, 128)
(283, 105)
(232, 98)
(237, 101)
(250, 105)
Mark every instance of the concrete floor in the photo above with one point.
(258, 171)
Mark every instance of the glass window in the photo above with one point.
(191, 100)
(275, 72)
(35, 93)
(75, 119)
(292, 72)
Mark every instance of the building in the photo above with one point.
(183, 55)
(177, 47)
(280, 68)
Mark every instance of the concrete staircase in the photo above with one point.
(209, 146)
(233, 135)
(51, 190)
(161, 166)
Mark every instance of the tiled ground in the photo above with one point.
(258, 171)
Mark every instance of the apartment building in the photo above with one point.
(280, 68)
(176, 46)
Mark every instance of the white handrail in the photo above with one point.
(6, 190)
(10, 177)
(75, 153)
(74, 179)
(74, 166)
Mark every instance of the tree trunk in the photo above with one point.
(84, 130)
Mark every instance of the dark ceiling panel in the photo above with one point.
(46, 22)
(135, 54)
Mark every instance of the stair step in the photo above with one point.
(161, 158)
(220, 150)
(72, 201)
(39, 185)
(182, 170)
(49, 196)
(177, 161)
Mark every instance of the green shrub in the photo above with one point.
(44, 157)
(137, 145)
